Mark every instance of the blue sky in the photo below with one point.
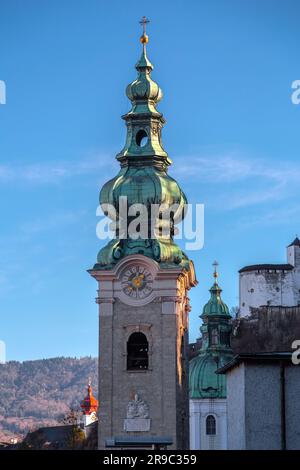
(226, 69)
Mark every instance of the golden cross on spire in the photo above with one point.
(143, 22)
(215, 264)
(144, 38)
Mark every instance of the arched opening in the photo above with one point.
(137, 352)
(225, 338)
(141, 138)
(214, 336)
(211, 425)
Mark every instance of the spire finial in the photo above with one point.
(144, 38)
(89, 386)
(215, 264)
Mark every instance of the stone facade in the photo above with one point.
(163, 318)
(263, 403)
(271, 285)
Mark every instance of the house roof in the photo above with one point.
(274, 356)
(296, 242)
(262, 267)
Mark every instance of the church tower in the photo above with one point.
(89, 406)
(208, 408)
(143, 279)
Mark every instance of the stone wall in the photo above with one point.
(162, 316)
(267, 287)
(256, 406)
(266, 329)
(271, 285)
(236, 408)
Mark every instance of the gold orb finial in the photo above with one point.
(215, 264)
(144, 38)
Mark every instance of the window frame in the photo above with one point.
(133, 355)
(144, 328)
(210, 425)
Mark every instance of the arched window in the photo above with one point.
(214, 336)
(137, 352)
(210, 425)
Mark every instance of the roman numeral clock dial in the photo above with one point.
(137, 282)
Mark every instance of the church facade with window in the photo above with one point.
(208, 408)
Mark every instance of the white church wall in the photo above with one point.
(199, 410)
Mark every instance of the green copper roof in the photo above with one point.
(143, 179)
(203, 381)
(143, 62)
(144, 119)
(215, 305)
(215, 351)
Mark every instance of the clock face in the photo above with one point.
(137, 282)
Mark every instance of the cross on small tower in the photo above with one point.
(143, 22)
(215, 264)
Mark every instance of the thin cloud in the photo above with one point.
(247, 181)
(48, 173)
(251, 181)
(231, 168)
(51, 222)
(214, 168)
(277, 216)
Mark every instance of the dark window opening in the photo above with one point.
(211, 425)
(141, 138)
(225, 338)
(160, 216)
(137, 352)
(214, 337)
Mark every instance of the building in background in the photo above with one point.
(271, 284)
(208, 410)
(89, 406)
(263, 407)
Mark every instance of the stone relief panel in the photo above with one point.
(137, 416)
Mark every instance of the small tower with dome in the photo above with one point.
(208, 415)
(89, 406)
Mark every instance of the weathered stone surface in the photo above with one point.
(256, 406)
(164, 385)
(266, 329)
(271, 285)
(137, 424)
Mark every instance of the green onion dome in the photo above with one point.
(143, 179)
(144, 185)
(215, 305)
(144, 88)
